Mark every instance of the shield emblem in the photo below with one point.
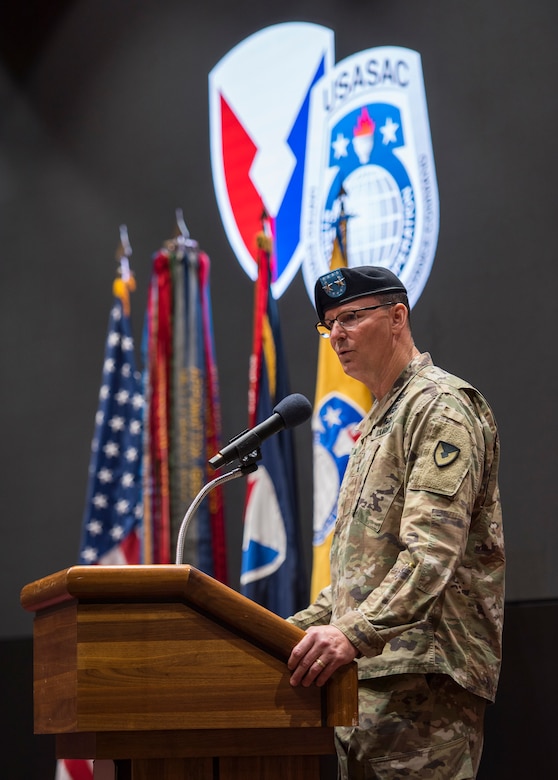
(371, 116)
(335, 431)
(445, 454)
(259, 101)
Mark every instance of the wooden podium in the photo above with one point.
(174, 676)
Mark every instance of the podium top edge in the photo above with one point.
(162, 582)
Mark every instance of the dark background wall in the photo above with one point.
(104, 120)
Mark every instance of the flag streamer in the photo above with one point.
(158, 362)
(182, 389)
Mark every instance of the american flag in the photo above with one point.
(74, 769)
(113, 510)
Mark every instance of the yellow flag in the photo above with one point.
(340, 404)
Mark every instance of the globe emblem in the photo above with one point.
(376, 216)
(376, 224)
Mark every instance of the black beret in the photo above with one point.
(347, 284)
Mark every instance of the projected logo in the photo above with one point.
(371, 150)
(291, 131)
(259, 97)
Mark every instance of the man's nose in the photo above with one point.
(337, 331)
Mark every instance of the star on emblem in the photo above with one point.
(339, 146)
(332, 416)
(389, 131)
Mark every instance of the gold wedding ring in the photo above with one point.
(320, 662)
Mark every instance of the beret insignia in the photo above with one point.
(333, 283)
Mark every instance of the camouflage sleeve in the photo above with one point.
(317, 614)
(440, 465)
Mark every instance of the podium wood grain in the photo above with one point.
(164, 664)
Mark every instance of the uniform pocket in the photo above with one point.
(449, 761)
(381, 491)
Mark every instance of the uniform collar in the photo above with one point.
(380, 407)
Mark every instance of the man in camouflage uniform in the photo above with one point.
(417, 558)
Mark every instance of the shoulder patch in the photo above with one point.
(444, 458)
(445, 454)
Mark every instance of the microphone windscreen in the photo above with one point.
(294, 410)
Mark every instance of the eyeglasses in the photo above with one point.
(348, 320)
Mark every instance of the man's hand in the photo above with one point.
(323, 650)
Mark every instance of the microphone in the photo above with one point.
(291, 411)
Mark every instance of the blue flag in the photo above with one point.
(273, 571)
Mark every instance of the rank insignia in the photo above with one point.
(445, 454)
(333, 283)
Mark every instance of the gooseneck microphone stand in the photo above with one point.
(248, 464)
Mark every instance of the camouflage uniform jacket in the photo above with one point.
(417, 558)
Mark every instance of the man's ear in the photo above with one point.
(400, 316)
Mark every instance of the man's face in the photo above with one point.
(366, 346)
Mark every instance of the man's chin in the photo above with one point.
(348, 365)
